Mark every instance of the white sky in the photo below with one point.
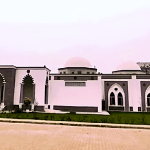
(49, 32)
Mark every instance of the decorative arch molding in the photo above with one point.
(28, 75)
(116, 89)
(4, 81)
(145, 88)
(146, 94)
(22, 88)
(120, 85)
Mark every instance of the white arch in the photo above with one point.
(2, 77)
(120, 90)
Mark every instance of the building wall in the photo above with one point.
(134, 93)
(87, 96)
(9, 75)
(39, 77)
(83, 71)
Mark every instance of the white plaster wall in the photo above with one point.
(39, 77)
(89, 95)
(135, 92)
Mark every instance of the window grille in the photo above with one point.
(148, 99)
(120, 99)
(75, 84)
(112, 98)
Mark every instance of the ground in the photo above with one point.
(15, 136)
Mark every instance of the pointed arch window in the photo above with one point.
(148, 99)
(120, 99)
(112, 98)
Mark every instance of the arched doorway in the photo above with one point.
(27, 89)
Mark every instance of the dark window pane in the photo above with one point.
(148, 101)
(120, 99)
(112, 98)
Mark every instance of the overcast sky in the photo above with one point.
(49, 32)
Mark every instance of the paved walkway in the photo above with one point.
(23, 136)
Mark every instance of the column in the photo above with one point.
(21, 93)
(33, 92)
(2, 103)
(32, 105)
(3, 92)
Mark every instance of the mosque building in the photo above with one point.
(77, 87)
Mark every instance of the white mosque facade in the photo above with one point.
(77, 87)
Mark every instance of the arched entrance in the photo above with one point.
(27, 89)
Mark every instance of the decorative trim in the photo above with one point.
(28, 76)
(38, 108)
(128, 71)
(3, 77)
(125, 88)
(76, 108)
(146, 76)
(116, 76)
(143, 90)
(116, 108)
(79, 78)
(75, 84)
(77, 68)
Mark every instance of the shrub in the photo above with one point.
(112, 120)
(119, 119)
(7, 115)
(104, 120)
(27, 101)
(81, 119)
(126, 121)
(62, 118)
(46, 117)
(18, 110)
(73, 113)
(68, 118)
(143, 120)
(34, 116)
(52, 117)
(93, 120)
(132, 121)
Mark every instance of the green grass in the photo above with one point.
(114, 117)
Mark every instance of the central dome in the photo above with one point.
(78, 62)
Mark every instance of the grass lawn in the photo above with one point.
(114, 117)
